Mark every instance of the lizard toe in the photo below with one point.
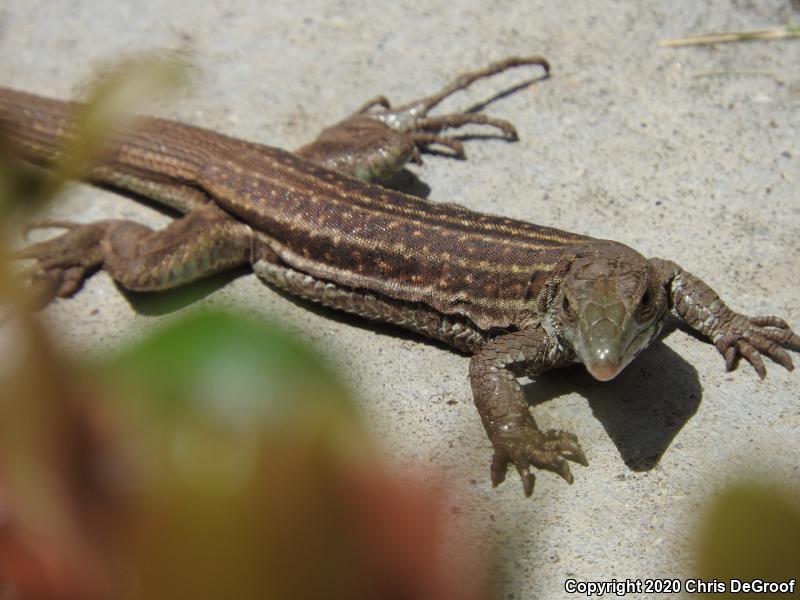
(772, 349)
(783, 336)
(60, 264)
(499, 468)
(49, 224)
(566, 444)
(528, 480)
(752, 337)
(752, 356)
(552, 461)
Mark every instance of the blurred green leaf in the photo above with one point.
(752, 531)
(110, 104)
(241, 438)
(210, 387)
(226, 365)
(217, 458)
(107, 110)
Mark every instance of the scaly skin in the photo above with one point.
(695, 303)
(609, 307)
(508, 422)
(521, 298)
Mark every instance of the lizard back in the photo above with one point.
(486, 268)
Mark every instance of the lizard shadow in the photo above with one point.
(167, 301)
(154, 304)
(649, 403)
(409, 183)
(642, 412)
(510, 91)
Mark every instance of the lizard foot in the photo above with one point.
(63, 262)
(378, 140)
(412, 118)
(751, 337)
(530, 447)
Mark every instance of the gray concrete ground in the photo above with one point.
(690, 154)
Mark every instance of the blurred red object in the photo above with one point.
(165, 484)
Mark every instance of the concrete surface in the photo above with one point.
(690, 154)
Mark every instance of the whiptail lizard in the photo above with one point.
(521, 298)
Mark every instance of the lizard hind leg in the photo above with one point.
(202, 243)
(377, 141)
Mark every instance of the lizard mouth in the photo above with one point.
(604, 363)
(604, 370)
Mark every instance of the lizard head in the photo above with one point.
(610, 305)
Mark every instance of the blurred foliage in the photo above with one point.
(219, 458)
(751, 531)
(216, 458)
(107, 110)
(236, 436)
(126, 87)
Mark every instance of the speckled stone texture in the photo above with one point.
(691, 154)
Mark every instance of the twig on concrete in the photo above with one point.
(753, 73)
(774, 33)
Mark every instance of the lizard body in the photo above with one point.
(521, 298)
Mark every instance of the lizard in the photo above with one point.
(520, 298)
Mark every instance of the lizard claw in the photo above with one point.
(567, 444)
(528, 480)
(529, 447)
(378, 101)
(752, 337)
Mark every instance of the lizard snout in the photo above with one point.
(601, 352)
(604, 370)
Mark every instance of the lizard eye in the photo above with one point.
(646, 302)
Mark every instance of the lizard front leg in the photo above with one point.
(734, 334)
(204, 242)
(505, 414)
(378, 140)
